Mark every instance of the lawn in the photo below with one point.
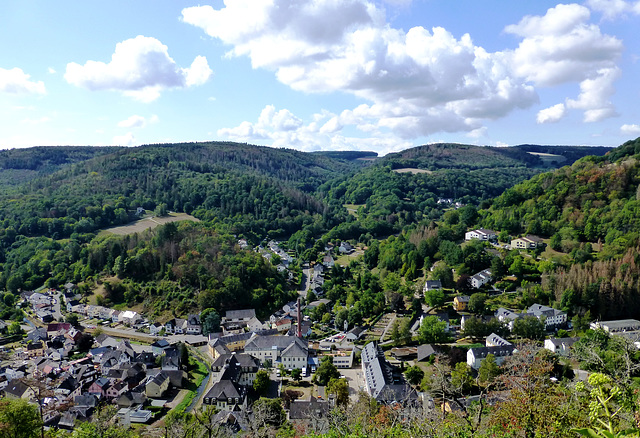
(196, 375)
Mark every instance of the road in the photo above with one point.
(131, 333)
(306, 282)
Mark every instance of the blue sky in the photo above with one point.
(319, 74)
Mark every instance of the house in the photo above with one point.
(243, 315)
(292, 350)
(383, 382)
(72, 305)
(432, 285)
(129, 317)
(552, 317)
(475, 356)
(527, 242)
(241, 368)
(116, 390)
(355, 333)
(157, 385)
(481, 234)
(131, 398)
(193, 327)
(160, 346)
(480, 279)
(493, 340)
(254, 325)
(343, 358)
(225, 395)
(425, 352)
(171, 359)
(328, 261)
(461, 302)
(561, 346)
(617, 326)
(345, 248)
(99, 387)
(155, 328)
(17, 389)
(59, 328)
(282, 325)
(35, 349)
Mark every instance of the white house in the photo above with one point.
(480, 279)
(561, 346)
(480, 234)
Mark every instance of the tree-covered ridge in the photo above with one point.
(178, 267)
(236, 182)
(594, 200)
(456, 156)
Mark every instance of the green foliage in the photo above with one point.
(432, 331)
(325, 372)
(19, 419)
(488, 370)
(210, 320)
(414, 375)
(529, 327)
(261, 382)
(340, 389)
(434, 297)
(477, 303)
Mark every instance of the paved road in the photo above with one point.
(131, 333)
(306, 282)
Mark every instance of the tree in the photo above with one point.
(311, 297)
(443, 273)
(261, 382)
(477, 302)
(414, 375)
(434, 298)
(432, 331)
(488, 370)
(72, 319)
(395, 333)
(529, 327)
(267, 412)
(210, 321)
(341, 317)
(325, 372)
(19, 419)
(14, 328)
(340, 389)
(296, 374)
(289, 396)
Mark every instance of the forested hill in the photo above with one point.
(256, 188)
(591, 212)
(20, 165)
(460, 156)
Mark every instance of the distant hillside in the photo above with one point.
(251, 187)
(21, 165)
(594, 200)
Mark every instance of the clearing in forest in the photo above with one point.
(148, 223)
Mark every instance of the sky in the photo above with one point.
(375, 75)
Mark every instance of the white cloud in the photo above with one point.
(51, 70)
(630, 129)
(43, 119)
(124, 140)
(141, 68)
(324, 132)
(552, 114)
(611, 9)
(478, 133)
(420, 81)
(137, 121)
(15, 81)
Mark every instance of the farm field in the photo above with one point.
(148, 223)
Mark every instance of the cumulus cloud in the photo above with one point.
(630, 129)
(552, 114)
(136, 121)
(15, 81)
(420, 81)
(125, 140)
(281, 128)
(611, 9)
(141, 68)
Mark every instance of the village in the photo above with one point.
(102, 356)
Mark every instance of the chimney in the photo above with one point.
(299, 318)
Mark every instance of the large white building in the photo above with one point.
(480, 234)
(291, 351)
